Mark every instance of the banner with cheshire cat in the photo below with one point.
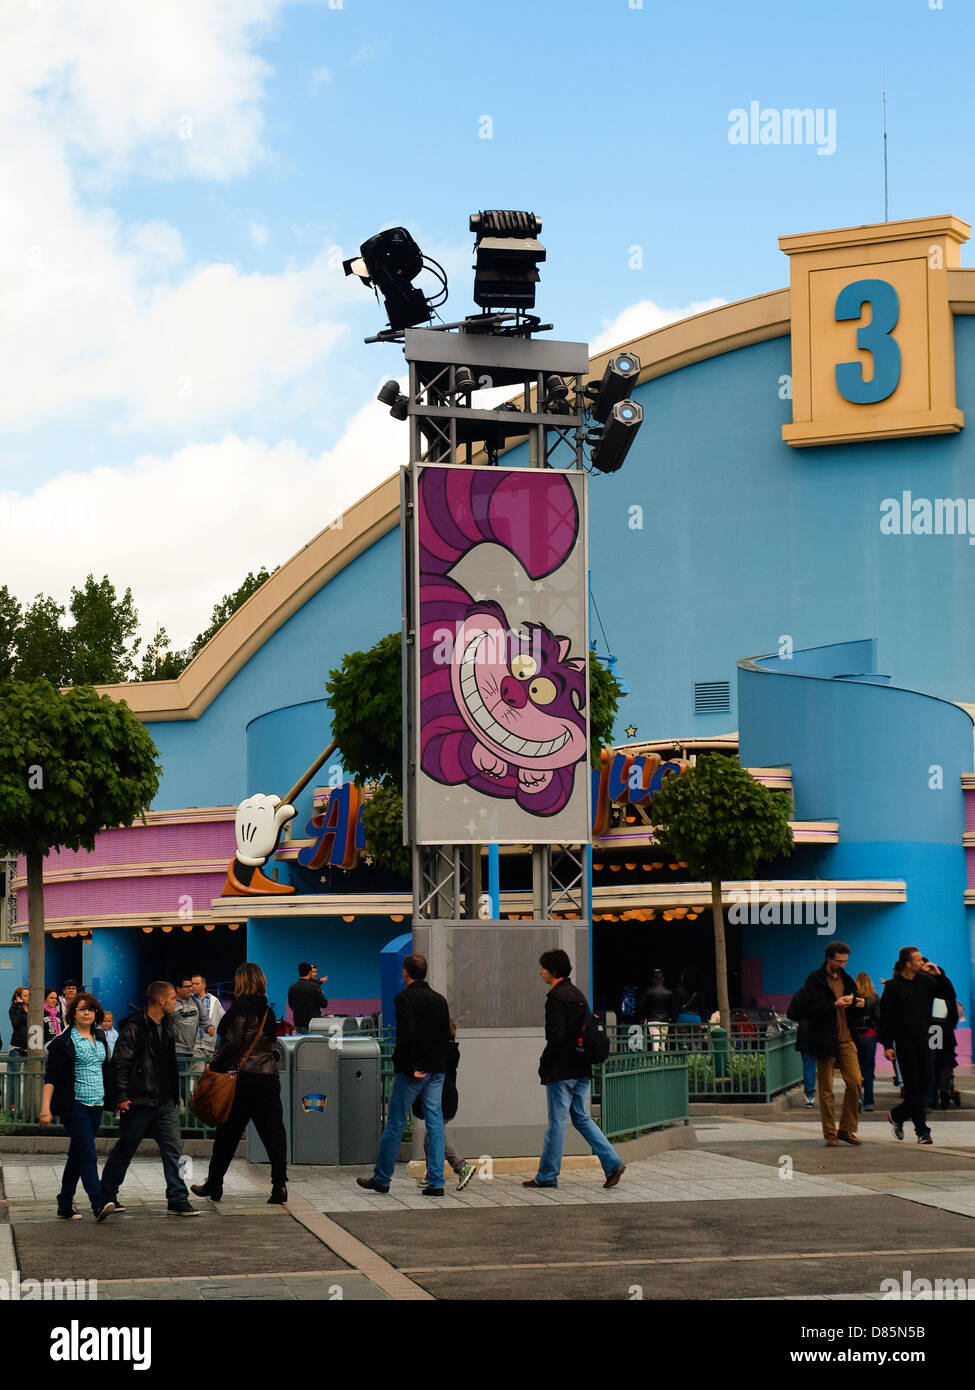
(501, 672)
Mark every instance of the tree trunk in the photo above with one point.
(720, 956)
(35, 968)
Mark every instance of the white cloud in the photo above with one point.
(183, 530)
(258, 233)
(644, 317)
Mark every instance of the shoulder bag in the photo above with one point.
(213, 1098)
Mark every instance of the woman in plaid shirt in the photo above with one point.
(77, 1087)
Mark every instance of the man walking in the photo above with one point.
(905, 1024)
(419, 1061)
(822, 1003)
(211, 1011)
(147, 1096)
(566, 1073)
(305, 997)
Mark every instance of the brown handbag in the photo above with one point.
(213, 1098)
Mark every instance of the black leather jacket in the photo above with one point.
(566, 1009)
(145, 1073)
(238, 1028)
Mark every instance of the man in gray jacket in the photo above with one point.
(188, 1018)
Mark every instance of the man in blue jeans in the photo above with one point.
(566, 1074)
(419, 1063)
(146, 1078)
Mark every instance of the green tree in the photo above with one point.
(43, 648)
(102, 651)
(159, 663)
(365, 695)
(10, 618)
(718, 820)
(69, 766)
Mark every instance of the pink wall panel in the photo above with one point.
(105, 896)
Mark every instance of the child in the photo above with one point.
(449, 1102)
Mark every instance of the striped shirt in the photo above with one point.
(89, 1083)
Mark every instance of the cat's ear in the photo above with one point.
(564, 645)
(579, 662)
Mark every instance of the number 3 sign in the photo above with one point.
(872, 331)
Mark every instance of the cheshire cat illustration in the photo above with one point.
(500, 710)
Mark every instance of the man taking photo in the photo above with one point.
(906, 1024)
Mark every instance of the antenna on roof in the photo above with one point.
(885, 145)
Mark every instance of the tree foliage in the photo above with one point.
(719, 820)
(70, 765)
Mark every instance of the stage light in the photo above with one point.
(400, 408)
(621, 375)
(621, 429)
(464, 380)
(556, 394)
(388, 392)
(389, 262)
(505, 273)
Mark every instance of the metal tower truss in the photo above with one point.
(488, 966)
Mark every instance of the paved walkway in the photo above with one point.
(741, 1216)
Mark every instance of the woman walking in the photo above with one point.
(866, 1035)
(245, 1043)
(77, 1087)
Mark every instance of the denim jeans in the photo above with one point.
(569, 1100)
(159, 1122)
(81, 1124)
(405, 1091)
(809, 1074)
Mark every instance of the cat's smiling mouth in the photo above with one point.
(485, 721)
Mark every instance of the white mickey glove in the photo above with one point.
(258, 824)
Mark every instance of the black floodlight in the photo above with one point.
(556, 394)
(620, 377)
(400, 408)
(625, 419)
(388, 392)
(464, 380)
(389, 262)
(508, 253)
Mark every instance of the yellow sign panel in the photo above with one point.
(873, 354)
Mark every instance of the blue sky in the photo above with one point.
(184, 391)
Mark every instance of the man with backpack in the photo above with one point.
(573, 1041)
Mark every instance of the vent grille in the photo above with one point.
(712, 697)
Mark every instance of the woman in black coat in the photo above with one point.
(18, 1021)
(77, 1087)
(246, 1037)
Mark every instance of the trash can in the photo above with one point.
(335, 1100)
(284, 1049)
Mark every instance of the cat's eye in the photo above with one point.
(542, 691)
(524, 667)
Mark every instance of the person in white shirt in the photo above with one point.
(214, 1011)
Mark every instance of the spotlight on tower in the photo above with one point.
(620, 377)
(556, 394)
(389, 262)
(505, 274)
(388, 392)
(625, 419)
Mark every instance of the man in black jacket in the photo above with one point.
(419, 1060)
(305, 997)
(905, 1023)
(566, 1073)
(147, 1096)
(822, 1004)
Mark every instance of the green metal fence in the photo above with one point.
(634, 1092)
(755, 1063)
(21, 1082)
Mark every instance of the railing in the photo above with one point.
(640, 1091)
(757, 1062)
(21, 1083)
